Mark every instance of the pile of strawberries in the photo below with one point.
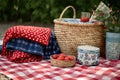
(63, 56)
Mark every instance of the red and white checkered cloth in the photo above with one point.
(106, 70)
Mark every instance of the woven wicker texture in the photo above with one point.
(72, 35)
(4, 77)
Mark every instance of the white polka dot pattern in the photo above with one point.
(39, 34)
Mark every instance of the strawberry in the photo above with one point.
(62, 54)
(66, 58)
(55, 56)
(84, 19)
(71, 57)
(61, 58)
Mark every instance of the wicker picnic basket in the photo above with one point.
(71, 35)
(62, 63)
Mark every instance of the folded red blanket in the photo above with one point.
(37, 34)
(20, 57)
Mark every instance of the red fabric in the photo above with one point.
(38, 34)
(106, 70)
(19, 57)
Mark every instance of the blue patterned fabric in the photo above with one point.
(25, 45)
(32, 47)
(52, 48)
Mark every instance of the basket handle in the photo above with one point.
(74, 11)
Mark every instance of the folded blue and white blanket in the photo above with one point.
(32, 47)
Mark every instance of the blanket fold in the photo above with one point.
(29, 43)
(25, 45)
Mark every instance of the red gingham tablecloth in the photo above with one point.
(106, 70)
